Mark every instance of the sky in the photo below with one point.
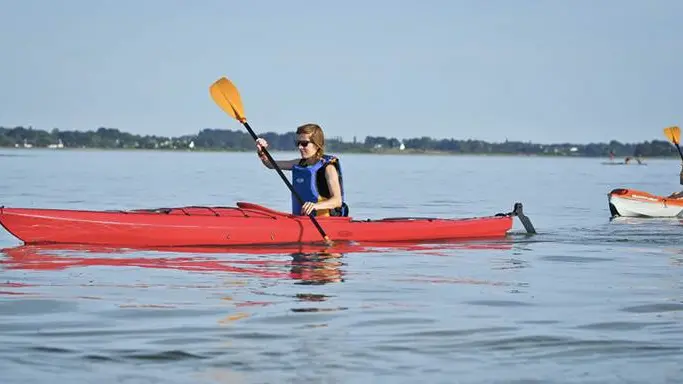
(541, 71)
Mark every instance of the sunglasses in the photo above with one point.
(302, 143)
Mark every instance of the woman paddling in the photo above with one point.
(319, 185)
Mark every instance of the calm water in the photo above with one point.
(586, 300)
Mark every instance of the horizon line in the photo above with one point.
(330, 137)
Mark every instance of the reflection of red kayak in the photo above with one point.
(44, 257)
(301, 266)
(58, 256)
(226, 226)
(309, 263)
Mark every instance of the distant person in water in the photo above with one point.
(638, 159)
(611, 155)
(316, 176)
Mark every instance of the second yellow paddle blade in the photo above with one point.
(673, 134)
(225, 95)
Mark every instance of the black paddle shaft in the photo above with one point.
(680, 177)
(284, 178)
(679, 150)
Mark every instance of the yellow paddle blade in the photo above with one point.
(225, 95)
(673, 134)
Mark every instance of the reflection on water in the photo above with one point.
(308, 264)
(305, 267)
(317, 268)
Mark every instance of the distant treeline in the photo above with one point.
(240, 140)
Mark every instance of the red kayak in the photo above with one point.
(245, 224)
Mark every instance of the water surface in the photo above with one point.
(587, 300)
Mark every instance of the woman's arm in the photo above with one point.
(262, 144)
(282, 164)
(333, 186)
(675, 195)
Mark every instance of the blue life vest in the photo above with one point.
(309, 180)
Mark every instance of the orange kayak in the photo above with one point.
(635, 203)
(245, 224)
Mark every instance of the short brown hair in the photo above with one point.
(317, 136)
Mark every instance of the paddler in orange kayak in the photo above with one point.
(319, 185)
(678, 195)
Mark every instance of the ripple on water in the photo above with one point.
(447, 333)
(500, 303)
(27, 307)
(654, 308)
(541, 346)
(576, 259)
(393, 321)
(617, 326)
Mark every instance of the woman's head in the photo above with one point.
(310, 141)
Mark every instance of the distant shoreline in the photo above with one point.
(406, 152)
(221, 140)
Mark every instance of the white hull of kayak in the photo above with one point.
(634, 205)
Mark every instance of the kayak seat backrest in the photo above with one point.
(260, 208)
